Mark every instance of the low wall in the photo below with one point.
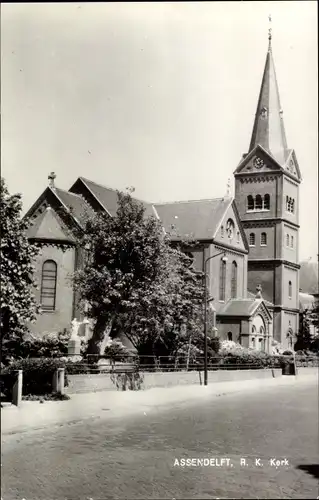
(102, 382)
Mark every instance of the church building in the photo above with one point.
(247, 245)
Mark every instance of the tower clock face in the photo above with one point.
(258, 162)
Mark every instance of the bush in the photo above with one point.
(48, 346)
(131, 381)
(249, 358)
(37, 374)
(116, 351)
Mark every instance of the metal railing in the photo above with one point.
(148, 363)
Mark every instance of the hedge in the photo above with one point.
(37, 374)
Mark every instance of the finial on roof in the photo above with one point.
(259, 290)
(269, 32)
(51, 178)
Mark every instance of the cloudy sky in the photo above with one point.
(159, 96)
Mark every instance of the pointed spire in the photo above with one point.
(269, 130)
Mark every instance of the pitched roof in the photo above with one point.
(253, 296)
(268, 129)
(75, 203)
(198, 219)
(107, 197)
(47, 226)
(239, 307)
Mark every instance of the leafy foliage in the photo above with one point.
(18, 304)
(48, 346)
(37, 374)
(135, 282)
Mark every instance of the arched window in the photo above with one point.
(252, 239)
(287, 240)
(261, 330)
(266, 202)
(48, 285)
(250, 203)
(290, 289)
(222, 231)
(259, 202)
(222, 279)
(263, 239)
(234, 280)
(253, 343)
(229, 336)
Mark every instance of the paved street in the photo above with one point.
(134, 457)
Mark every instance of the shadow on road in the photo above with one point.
(312, 469)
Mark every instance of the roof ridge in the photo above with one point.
(112, 189)
(189, 201)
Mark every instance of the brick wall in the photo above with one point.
(55, 321)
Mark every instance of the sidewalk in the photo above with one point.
(32, 415)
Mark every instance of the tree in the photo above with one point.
(133, 281)
(18, 304)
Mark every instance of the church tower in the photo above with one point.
(267, 183)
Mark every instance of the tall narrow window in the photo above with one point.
(287, 240)
(290, 289)
(252, 239)
(250, 203)
(222, 231)
(234, 280)
(229, 336)
(48, 285)
(259, 202)
(222, 279)
(292, 206)
(266, 202)
(263, 239)
(292, 241)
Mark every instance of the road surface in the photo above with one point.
(240, 436)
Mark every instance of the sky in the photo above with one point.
(158, 96)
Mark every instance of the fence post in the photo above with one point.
(58, 381)
(17, 389)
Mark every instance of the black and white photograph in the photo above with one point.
(159, 250)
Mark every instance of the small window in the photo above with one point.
(222, 279)
(292, 206)
(252, 239)
(229, 336)
(291, 241)
(253, 342)
(48, 285)
(222, 231)
(287, 240)
(290, 289)
(259, 202)
(234, 280)
(250, 203)
(263, 239)
(238, 237)
(266, 202)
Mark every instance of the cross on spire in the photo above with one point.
(51, 178)
(269, 31)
